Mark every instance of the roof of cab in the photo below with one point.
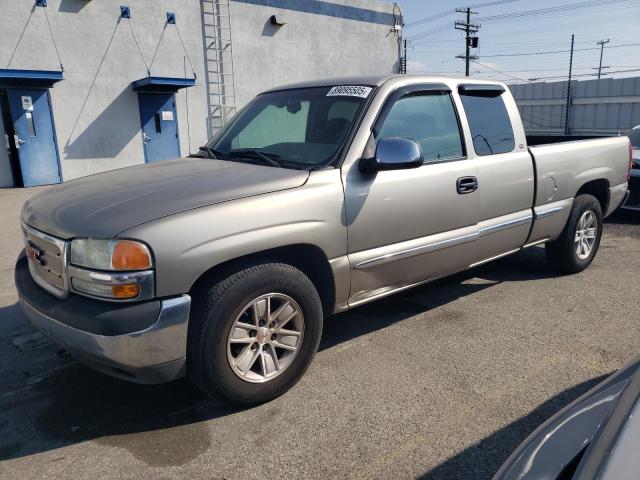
(369, 80)
(377, 80)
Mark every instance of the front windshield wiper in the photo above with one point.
(268, 158)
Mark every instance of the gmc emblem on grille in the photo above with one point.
(35, 254)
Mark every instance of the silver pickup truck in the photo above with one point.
(314, 199)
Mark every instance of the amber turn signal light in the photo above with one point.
(130, 290)
(128, 255)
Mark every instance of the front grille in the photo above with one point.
(47, 260)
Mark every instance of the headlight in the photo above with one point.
(111, 269)
(118, 255)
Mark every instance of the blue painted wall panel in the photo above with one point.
(319, 7)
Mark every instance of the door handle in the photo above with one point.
(18, 141)
(466, 185)
(145, 138)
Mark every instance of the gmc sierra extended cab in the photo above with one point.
(316, 198)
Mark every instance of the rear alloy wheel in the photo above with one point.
(578, 243)
(585, 238)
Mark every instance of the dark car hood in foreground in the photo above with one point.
(590, 438)
(106, 204)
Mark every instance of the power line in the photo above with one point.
(584, 8)
(451, 11)
(433, 31)
(500, 72)
(437, 16)
(584, 74)
(555, 51)
(492, 4)
(549, 10)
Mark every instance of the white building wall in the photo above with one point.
(97, 118)
(309, 46)
(106, 133)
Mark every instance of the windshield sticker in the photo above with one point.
(350, 91)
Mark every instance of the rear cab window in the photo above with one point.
(488, 119)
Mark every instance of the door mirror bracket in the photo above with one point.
(393, 153)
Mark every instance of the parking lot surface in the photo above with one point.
(442, 381)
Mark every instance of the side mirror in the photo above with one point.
(393, 153)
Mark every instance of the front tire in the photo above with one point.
(253, 334)
(578, 243)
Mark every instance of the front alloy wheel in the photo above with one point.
(265, 337)
(253, 332)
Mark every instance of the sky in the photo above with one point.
(434, 44)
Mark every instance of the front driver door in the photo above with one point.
(408, 226)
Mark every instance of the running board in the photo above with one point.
(496, 257)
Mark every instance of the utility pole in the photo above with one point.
(470, 41)
(568, 105)
(404, 58)
(602, 44)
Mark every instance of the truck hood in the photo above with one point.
(106, 204)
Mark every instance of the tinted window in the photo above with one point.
(274, 123)
(299, 128)
(489, 123)
(430, 120)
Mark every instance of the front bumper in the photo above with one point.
(93, 331)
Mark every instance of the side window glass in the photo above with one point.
(428, 119)
(489, 123)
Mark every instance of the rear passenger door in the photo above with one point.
(504, 170)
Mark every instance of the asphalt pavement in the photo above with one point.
(442, 381)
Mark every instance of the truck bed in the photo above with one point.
(561, 168)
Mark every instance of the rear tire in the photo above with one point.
(229, 359)
(578, 243)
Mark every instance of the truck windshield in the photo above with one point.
(300, 128)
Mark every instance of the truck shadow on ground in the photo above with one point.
(525, 266)
(76, 404)
(483, 459)
(624, 217)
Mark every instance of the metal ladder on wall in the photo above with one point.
(221, 90)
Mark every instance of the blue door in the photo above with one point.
(34, 136)
(159, 126)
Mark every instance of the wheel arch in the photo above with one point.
(598, 188)
(308, 258)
